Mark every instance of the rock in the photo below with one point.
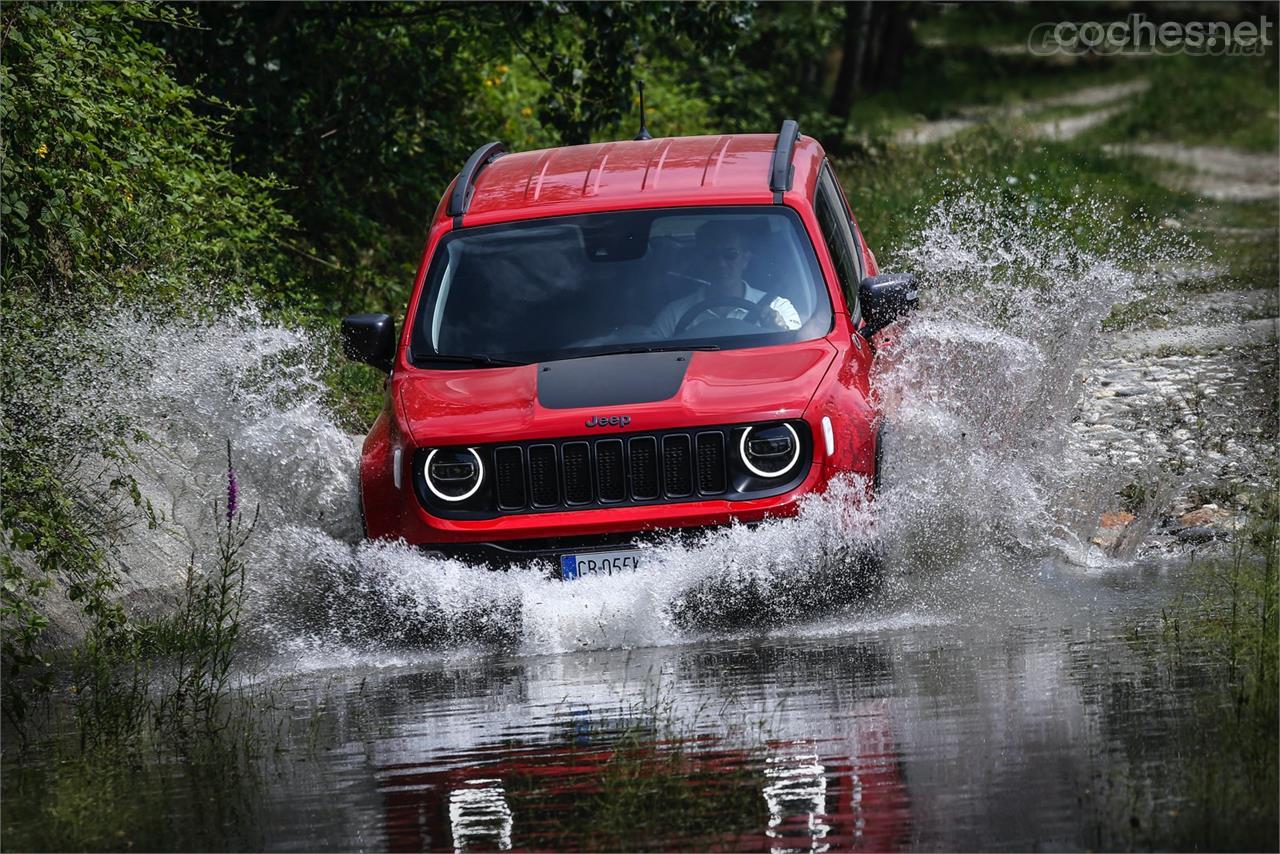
(1111, 529)
(1207, 516)
(1198, 534)
(1115, 519)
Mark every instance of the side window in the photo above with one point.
(834, 224)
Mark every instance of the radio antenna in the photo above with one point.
(644, 131)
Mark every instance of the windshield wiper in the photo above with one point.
(661, 348)
(672, 348)
(478, 359)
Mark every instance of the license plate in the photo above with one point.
(598, 563)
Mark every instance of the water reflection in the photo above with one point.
(479, 817)
(796, 794)
(554, 740)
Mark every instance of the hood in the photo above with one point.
(617, 393)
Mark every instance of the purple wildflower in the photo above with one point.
(233, 495)
(233, 488)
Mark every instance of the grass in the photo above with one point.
(136, 691)
(1229, 613)
(1247, 251)
(1203, 100)
(1194, 711)
(890, 188)
(653, 794)
(116, 796)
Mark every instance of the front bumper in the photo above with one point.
(503, 554)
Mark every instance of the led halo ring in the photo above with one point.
(426, 475)
(742, 453)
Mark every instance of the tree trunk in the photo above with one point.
(857, 21)
(894, 42)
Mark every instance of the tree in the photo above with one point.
(112, 170)
(366, 111)
(876, 40)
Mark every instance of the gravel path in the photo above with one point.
(1108, 98)
(1207, 417)
(1221, 174)
(1193, 338)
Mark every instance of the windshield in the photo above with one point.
(685, 278)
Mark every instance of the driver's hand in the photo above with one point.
(774, 316)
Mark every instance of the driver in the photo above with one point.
(723, 256)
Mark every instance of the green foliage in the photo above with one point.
(68, 492)
(58, 525)
(109, 671)
(1233, 607)
(117, 184)
(775, 71)
(586, 53)
(112, 180)
(366, 112)
(1205, 100)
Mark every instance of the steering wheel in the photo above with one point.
(754, 311)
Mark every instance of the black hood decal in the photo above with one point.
(615, 380)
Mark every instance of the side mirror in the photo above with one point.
(886, 298)
(369, 338)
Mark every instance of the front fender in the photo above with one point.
(381, 502)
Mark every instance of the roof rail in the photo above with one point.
(465, 187)
(781, 171)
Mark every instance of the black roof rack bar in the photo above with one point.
(465, 187)
(781, 172)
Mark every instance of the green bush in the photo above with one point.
(112, 181)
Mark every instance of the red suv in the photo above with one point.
(607, 340)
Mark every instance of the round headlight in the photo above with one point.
(453, 475)
(769, 451)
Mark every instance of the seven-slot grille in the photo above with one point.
(612, 470)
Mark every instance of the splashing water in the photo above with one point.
(979, 466)
(981, 387)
